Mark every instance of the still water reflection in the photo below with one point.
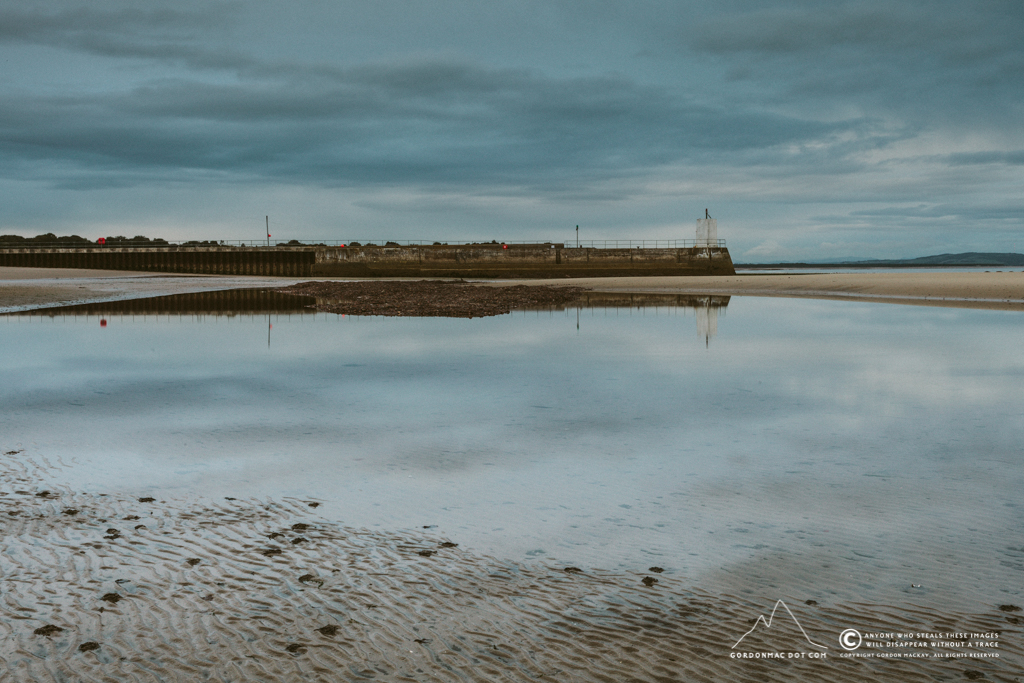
(862, 450)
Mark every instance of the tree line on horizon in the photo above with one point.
(50, 239)
(77, 240)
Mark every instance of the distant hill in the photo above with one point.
(972, 258)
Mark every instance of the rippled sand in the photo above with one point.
(108, 587)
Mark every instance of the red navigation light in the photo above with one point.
(504, 246)
(103, 322)
(343, 246)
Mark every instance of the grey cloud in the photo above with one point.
(809, 28)
(1012, 158)
(924, 61)
(174, 34)
(946, 211)
(438, 121)
(59, 26)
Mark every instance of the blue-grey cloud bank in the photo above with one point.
(809, 129)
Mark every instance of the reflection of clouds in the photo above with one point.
(904, 376)
(908, 378)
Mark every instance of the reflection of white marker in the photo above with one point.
(768, 624)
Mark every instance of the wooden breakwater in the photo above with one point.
(448, 261)
(207, 260)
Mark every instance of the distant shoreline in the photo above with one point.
(865, 266)
(969, 259)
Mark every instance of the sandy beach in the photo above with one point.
(25, 288)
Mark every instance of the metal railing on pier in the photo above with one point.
(643, 244)
(157, 244)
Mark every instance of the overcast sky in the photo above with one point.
(809, 129)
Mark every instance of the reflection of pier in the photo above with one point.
(705, 308)
(648, 300)
(707, 320)
(233, 302)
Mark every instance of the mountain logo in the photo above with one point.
(768, 624)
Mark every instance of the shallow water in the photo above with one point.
(797, 449)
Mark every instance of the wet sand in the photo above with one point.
(146, 587)
(22, 288)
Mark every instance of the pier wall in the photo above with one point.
(474, 261)
(517, 261)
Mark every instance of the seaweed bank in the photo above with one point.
(430, 297)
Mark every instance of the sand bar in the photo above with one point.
(994, 290)
(430, 299)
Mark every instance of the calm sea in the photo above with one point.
(783, 446)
